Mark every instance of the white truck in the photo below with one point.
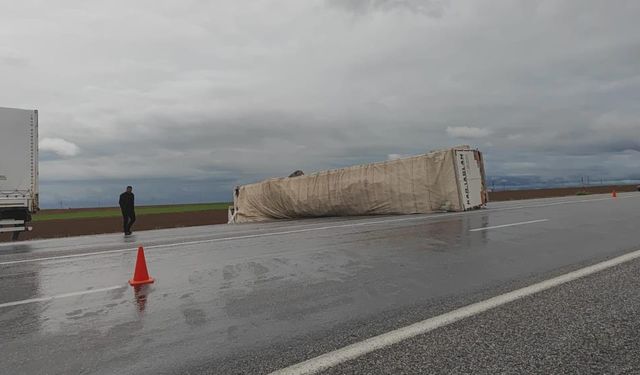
(18, 169)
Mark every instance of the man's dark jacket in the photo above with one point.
(126, 202)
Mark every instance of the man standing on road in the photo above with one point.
(128, 211)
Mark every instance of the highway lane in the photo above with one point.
(36, 249)
(589, 326)
(255, 298)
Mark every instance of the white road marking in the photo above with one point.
(177, 236)
(186, 243)
(102, 252)
(313, 229)
(509, 225)
(353, 351)
(44, 299)
(561, 203)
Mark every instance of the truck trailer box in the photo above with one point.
(18, 167)
(445, 180)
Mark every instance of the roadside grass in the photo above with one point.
(115, 212)
(583, 192)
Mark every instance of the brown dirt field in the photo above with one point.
(78, 227)
(73, 227)
(498, 196)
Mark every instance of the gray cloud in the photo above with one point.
(467, 132)
(58, 146)
(185, 94)
(13, 62)
(432, 8)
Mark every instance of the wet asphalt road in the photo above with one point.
(590, 326)
(256, 298)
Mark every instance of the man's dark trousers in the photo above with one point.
(128, 218)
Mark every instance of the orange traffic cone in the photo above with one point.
(614, 194)
(141, 275)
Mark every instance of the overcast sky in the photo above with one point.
(185, 99)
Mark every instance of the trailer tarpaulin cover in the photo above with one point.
(418, 184)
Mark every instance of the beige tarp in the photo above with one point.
(419, 184)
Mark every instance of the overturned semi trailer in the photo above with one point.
(445, 180)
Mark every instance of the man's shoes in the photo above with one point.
(127, 233)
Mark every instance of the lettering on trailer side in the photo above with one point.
(465, 180)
